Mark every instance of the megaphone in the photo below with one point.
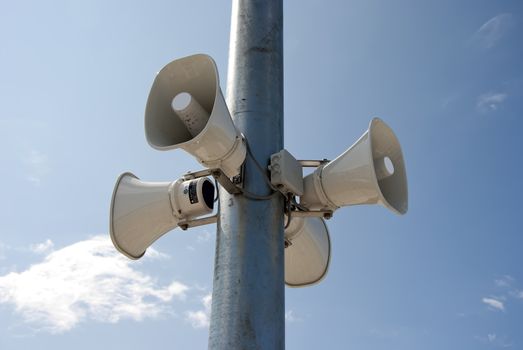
(141, 212)
(186, 109)
(308, 251)
(372, 171)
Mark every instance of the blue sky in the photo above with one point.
(447, 76)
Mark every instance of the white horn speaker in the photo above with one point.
(308, 251)
(372, 171)
(186, 109)
(141, 212)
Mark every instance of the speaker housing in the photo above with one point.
(307, 256)
(141, 212)
(219, 144)
(360, 175)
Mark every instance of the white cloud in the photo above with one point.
(43, 247)
(204, 237)
(291, 317)
(490, 101)
(86, 280)
(495, 340)
(494, 304)
(504, 282)
(201, 318)
(489, 34)
(37, 166)
(154, 254)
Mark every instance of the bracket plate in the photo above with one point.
(185, 224)
(326, 214)
(310, 163)
(218, 175)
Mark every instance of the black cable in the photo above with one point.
(260, 168)
(217, 190)
(254, 196)
(289, 209)
(263, 172)
(298, 206)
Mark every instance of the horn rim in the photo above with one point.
(322, 277)
(194, 139)
(111, 216)
(378, 122)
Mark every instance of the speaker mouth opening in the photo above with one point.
(163, 127)
(208, 193)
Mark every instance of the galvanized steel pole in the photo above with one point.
(248, 296)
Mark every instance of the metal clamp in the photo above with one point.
(311, 163)
(218, 175)
(326, 214)
(188, 223)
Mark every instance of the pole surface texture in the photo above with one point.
(248, 305)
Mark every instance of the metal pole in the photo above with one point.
(248, 305)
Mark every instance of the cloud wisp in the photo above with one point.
(494, 304)
(88, 280)
(491, 32)
(504, 281)
(37, 166)
(41, 248)
(291, 317)
(509, 286)
(490, 101)
(201, 318)
(495, 340)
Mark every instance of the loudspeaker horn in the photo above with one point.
(186, 109)
(141, 212)
(372, 171)
(307, 252)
